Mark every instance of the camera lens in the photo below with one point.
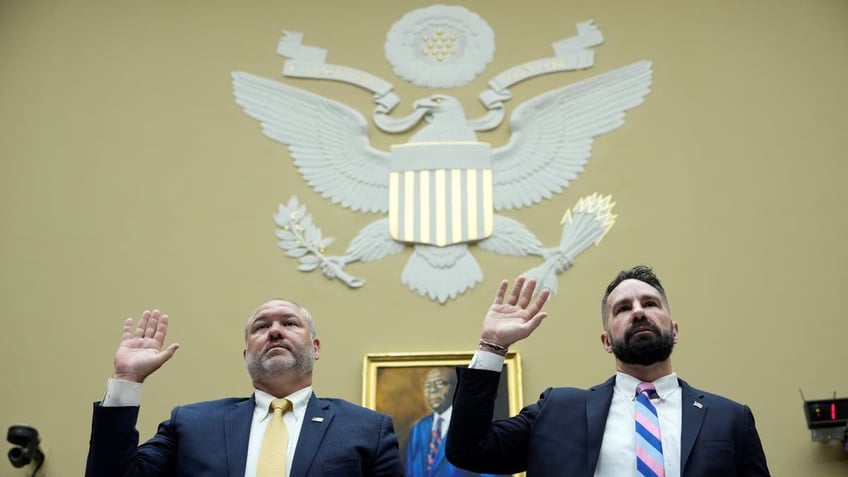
(18, 457)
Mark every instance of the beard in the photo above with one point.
(644, 349)
(262, 367)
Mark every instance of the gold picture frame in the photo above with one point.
(392, 384)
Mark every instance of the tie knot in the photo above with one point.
(648, 388)
(282, 404)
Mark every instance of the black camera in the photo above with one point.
(27, 441)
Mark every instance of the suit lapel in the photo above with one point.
(237, 421)
(693, 412)
(316, 421)
(597, 410)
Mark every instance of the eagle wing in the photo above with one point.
(327, 140)
(552, 134)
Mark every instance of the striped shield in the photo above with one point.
(440, 193)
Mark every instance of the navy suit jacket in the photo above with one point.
(561, 434)
(337, 438)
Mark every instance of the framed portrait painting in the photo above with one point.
(416, 389)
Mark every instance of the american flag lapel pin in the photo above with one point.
(317, 419)
(697, 404)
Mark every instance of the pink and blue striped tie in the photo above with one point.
(649, 454)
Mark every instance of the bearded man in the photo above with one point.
(644, 421)
(282, 430)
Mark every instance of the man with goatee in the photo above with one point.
(644, 421)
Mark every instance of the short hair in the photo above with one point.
(639, 272)
(302, 309)
(449, 372)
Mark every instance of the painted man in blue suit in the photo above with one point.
(326, 437)
(425, 448)
(604, 431)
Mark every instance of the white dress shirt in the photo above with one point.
(446, 417)
(261, 416)
(618, 448)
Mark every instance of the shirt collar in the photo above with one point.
(445, 415)
(665, 385)
(299, 400)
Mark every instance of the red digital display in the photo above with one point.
(826, 413)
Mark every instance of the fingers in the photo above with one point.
(142, 324)
(126, 334)
(534, 322)
(526, 293)
(522, 292)
(168, 353)
(522, 295)
(151, 324)
(499, 296)
(161, 329)
(541, 299)
(515, 296)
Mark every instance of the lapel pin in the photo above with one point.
(697, 404)
(317, 419)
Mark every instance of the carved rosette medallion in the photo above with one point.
(440, 46)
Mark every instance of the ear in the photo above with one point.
(244, 353)
(674, 330)
(316, 348)
(606, 341)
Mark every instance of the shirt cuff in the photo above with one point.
(122, 393)
(487, 360)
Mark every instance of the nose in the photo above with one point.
(276, 330)
(637, 311)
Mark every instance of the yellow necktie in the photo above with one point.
(275, 443)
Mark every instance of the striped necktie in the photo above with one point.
(649, 454)
(275, 442)
(435, 443)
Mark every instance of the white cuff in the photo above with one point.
(486, 360)
(122, 393)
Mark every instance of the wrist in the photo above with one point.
(132, 378)
(492, 347)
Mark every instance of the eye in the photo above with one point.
(435, 385)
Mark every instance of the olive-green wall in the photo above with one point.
(130, 179)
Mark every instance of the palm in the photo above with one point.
(513, 320)
(140, 352)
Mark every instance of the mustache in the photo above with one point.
(275, 344)
(641, 326)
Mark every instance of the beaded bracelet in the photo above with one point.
(493, 347)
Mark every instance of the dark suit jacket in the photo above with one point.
(338, 438)
(561, 434)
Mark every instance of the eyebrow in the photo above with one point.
(641, 297)
(266, 317)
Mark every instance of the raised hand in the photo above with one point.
(140, 353)
(513, 318)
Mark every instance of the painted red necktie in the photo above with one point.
(435, 443)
